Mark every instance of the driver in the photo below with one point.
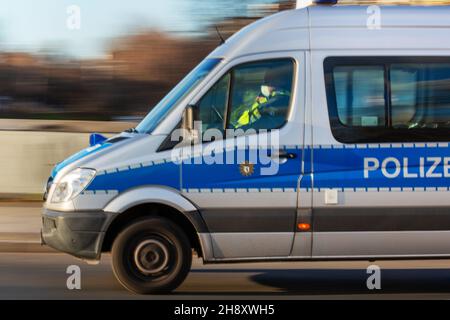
(272, 98)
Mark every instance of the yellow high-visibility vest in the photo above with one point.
(252, 114)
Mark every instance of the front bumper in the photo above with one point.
(80, 234)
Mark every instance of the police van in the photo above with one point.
(313, 134)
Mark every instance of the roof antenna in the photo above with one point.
(222, 41)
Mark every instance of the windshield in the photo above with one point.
(160, 111)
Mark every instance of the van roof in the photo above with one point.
(340, 27)
(391, 16)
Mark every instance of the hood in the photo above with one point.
(77, 156)
(86, 152)
(118, 151)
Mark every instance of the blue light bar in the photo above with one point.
(325, 2)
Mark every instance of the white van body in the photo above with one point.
(361, 187)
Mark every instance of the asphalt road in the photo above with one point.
(43, 276)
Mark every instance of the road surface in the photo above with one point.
(43, 276)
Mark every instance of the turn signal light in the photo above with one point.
(304, 226)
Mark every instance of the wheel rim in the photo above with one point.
(151, 256)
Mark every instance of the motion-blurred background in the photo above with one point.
(68, 68)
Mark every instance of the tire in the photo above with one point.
(152, 255)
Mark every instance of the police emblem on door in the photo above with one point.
(246, 168)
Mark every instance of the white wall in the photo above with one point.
(27, 157)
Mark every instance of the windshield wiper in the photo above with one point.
(131, 130)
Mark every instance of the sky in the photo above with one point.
(41, 25)
(37, 25)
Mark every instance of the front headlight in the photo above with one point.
(72, 184)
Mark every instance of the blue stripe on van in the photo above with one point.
(344, 168)
(229, 176)
(163, 174)
(333, 168)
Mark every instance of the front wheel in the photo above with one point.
(151, 256)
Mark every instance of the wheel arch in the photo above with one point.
(149, 194)
(156, 202)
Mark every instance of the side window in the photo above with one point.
(360, 95)
(404, 96)
(260, 94)
(383, 99)
(420, 95)
(212, 106)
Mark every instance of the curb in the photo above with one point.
(22, 242)
(24, 247)
(21, 197)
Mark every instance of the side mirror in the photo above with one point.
(96, 138)
(188, 118)
(190, 133)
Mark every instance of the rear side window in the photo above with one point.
(420, 95)
(360, 96)
(389, 99)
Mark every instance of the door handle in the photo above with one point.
(283, 155)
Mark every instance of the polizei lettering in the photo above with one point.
(391, 167)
